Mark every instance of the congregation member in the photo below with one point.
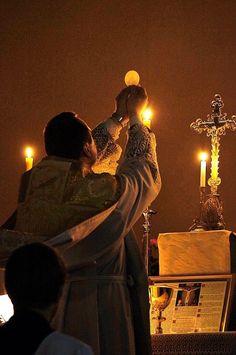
(34, 279)
(68, 201)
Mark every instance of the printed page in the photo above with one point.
(187, 307)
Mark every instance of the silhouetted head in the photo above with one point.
(67, 136)
(34, 277)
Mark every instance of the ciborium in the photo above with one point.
(160, 297)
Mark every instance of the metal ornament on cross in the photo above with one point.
(215, 126)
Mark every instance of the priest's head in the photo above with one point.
(69, 137)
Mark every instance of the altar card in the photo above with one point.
(189, 304)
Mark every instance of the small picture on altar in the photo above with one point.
(188, 294)
(188, 306)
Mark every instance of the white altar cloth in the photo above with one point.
(194, 253)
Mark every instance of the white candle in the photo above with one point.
(203, 157)
(29, 160)
(147, 117)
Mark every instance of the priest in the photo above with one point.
(69, 202)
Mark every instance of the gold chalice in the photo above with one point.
(160, 299)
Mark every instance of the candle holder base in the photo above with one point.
(211, 215)
(197, 226)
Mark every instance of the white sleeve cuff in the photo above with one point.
(113, 128)
(134, 120)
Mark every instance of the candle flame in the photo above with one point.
(147, 114)
(203, 156)
(28, 152)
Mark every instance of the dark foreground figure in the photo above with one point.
(34, 278)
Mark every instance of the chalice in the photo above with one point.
(160, 299)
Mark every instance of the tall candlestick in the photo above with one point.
(28, 158)
(203, 158)
(146, 117)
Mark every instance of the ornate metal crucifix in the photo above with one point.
(211, 211)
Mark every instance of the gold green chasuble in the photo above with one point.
(58, 197)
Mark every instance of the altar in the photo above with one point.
(193, 300)
(188, 261)
(196, 253)
(195, 289)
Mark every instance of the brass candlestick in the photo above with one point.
(211, 209)
(198, 222)
(145, 240)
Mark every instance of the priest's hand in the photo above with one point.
(120, 115)
(121, 102)
(137, 101)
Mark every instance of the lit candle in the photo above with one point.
(203, 158)
(147, 117)
(29, 158)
